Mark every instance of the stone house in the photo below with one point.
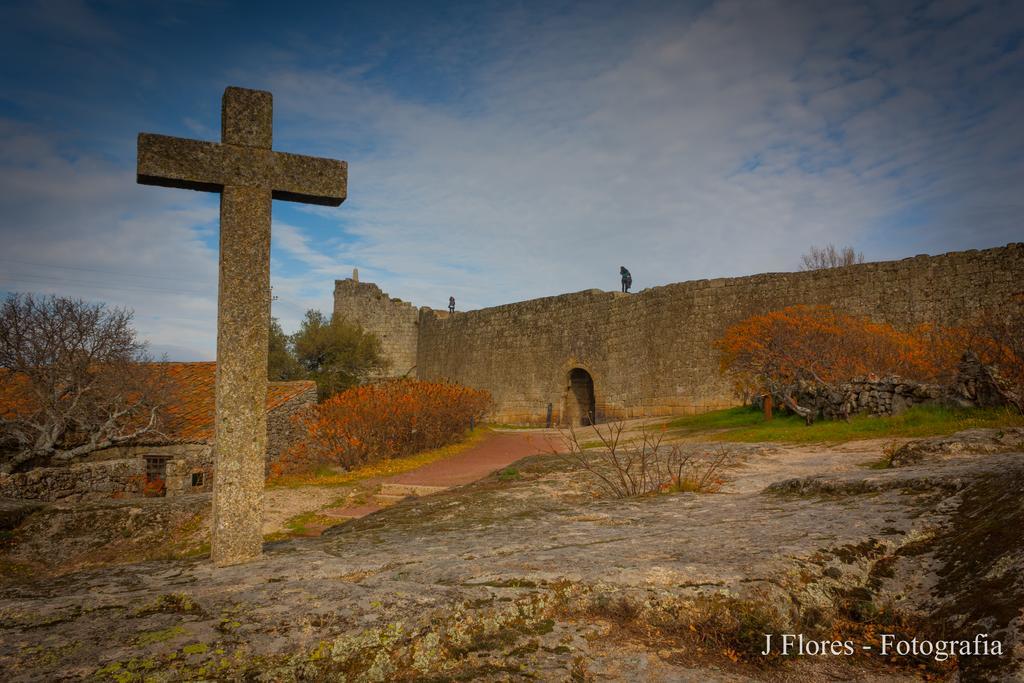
(181, 456)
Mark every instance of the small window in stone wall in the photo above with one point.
(156, 475)
(197, 479)
(156, 468)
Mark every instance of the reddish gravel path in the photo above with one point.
(497, 450)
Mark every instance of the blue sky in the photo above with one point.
(500, 150)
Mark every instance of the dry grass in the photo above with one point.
(627, 468)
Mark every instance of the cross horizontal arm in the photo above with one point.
(311, 180)
(209, 166)
(180, 162)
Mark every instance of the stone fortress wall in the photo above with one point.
(651, 353)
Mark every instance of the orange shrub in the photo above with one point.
(817, 343)
(375, 422)
(154, 488)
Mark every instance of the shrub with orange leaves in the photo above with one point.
(375, 422)
(154, 488)
(772, 351)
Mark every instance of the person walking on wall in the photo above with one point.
(627, 279)
(451, 304)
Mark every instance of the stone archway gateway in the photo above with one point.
(580, 403)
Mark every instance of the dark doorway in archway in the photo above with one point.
(580, 405)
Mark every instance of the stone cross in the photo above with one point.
(247, 174)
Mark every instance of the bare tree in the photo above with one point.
(629, 470)
(73, 380)
(830, 257)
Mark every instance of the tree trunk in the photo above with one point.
(806, 413)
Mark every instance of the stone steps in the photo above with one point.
(409, 489)
(392, 493)
(352, 512)
(384, 500)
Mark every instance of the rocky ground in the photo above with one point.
(532, 574)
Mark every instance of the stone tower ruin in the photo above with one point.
(394, 321)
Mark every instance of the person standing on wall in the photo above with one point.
(451, 304)
(627, 279)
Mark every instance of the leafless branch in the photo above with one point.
(74, 380)
(627, 470)
(818, 258)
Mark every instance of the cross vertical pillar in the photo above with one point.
(248, 173)
(243, 323)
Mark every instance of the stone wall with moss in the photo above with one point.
(283, 430)
(77, 482)
(651, 353)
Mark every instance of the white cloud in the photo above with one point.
(79, 226)
(560, 173)
(681, 144)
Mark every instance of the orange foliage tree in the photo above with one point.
(375, 422)
(770, 353)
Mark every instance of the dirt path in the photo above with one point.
(495, 451)
(498, 450)
(282, 504)
(501, 448)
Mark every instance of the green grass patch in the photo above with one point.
(508, 474)
(880, 464)
(305, 524)
(730, 418)
(748, 425)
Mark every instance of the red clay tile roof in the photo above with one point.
(190, 412)
(190, 418)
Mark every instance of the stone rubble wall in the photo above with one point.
(76, 482)
(973, 387)
(885, 396)
(395, 322)
(282, 428)
(651, 353)
(981, 385)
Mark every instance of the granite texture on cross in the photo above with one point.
(247, 173)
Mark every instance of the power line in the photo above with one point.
(40, 279)
(92, 270)
(59, 280)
